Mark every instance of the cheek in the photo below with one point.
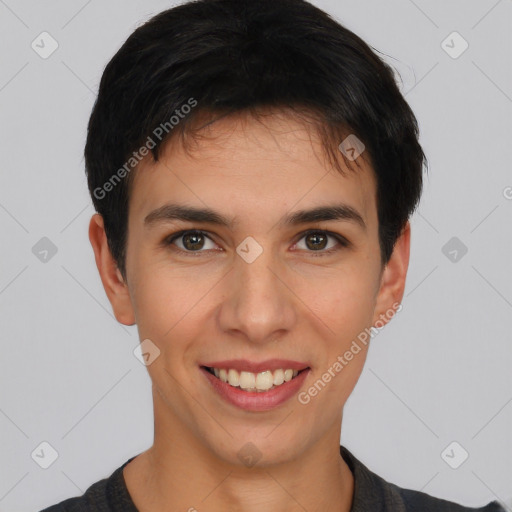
(165, 303)
(346, 308)
(345, 302)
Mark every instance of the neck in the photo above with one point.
(179, 472)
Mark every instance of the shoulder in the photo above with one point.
(94, 498)
(372, 492)
(420, 501)
(106, 495)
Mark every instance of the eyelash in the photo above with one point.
(343, 242)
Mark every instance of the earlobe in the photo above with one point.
(111, 277)
(393, 278)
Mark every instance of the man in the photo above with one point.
(254, 166)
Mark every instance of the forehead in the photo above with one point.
(242, 164)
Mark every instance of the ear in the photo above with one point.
(113, 282)
(392, 282)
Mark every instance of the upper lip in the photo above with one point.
(244, 365)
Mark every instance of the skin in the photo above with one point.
(289, 303)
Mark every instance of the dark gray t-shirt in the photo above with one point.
(371, 494)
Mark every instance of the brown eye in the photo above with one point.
(318, 241)
(191, 241)
(315, 241)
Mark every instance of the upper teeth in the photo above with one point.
(259, 381)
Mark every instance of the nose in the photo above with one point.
(259, 302)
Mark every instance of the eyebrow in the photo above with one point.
(169, 212)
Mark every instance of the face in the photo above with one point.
(265, 289)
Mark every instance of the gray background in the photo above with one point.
(439, 372)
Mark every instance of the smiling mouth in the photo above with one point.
(255, 382)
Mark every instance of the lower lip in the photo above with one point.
(253, 400)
